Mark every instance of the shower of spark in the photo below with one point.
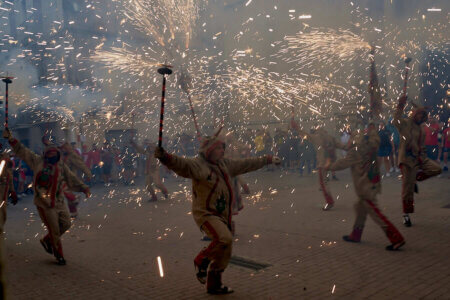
(164, 20)
(125, 60)
(321, 45)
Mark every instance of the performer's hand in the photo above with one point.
(7, 134)
(276, 160)
(14, 198)
(402, 100)
(160, 153)
(87, 192)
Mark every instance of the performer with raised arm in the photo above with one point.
(326, 146)
(213, 194)
(361, 158)
(151, 169)
(412, 157)
(50, 174)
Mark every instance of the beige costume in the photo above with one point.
(362, 160)
(212, 201)
(49, 180)
(412, 158)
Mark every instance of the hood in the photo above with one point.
(209, 143)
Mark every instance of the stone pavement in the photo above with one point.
(111, 248)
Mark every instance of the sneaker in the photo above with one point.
(328, 206)
(397, 170)
(46, 245)
(407, 221)
(153, 199)
(391, 170)
(388, 174)
(395, 247)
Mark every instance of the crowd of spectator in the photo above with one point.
(111, 164)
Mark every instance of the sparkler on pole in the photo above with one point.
(405, 80)
(7, 80)
(164, 70)
(185, 86)
(376, 104)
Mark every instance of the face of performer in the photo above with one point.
(51, 157)
(420, 117)
(217, 154)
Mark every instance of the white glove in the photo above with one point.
(276, 160)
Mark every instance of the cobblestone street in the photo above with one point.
(111, 248)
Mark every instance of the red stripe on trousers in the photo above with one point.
(206, 252)
(328, 197)
(392, 233)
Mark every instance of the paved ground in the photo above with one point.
(112, 247)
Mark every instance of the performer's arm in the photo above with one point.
(22, 152)
(346, 162)
(73, 182)
(242, 166)
(398, 120)
(79, 164)
(182, 166)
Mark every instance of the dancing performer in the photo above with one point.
(412, 156)
(326, 146)
(213, 194)
(50, 174)
(151, 169)
(362, 160)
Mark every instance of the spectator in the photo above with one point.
(396, 142)
(385, 149)
(307, 155)
(107, 160)
(93, 160)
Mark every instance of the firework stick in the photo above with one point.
(372, 77)
(405, 80)
(7, 81)
(164, 70)
(194, 117)
(185, 83)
